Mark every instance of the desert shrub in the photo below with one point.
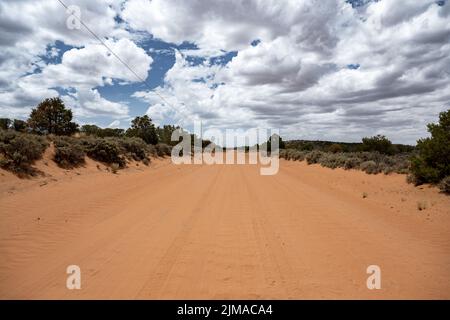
(377, 143)
(68, 152)
(332, 160)
(163, 149)
(291, 154)
(135, 148)
(93, 130)
(146, 161)
(352, 163)
(431, 163)
(152, 150)
(299, 156)
(314, 157)
(370, 167)
(19, 151)
(19, 125)
(374, 162)
(104, 149)
(444, 185)
(335, 148)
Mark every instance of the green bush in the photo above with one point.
(68, 152)
(377, 143)
(106, 150)
(432, 163)
(143, 127)
(18, 151)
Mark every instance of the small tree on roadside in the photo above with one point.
(142, 127)
(52, 117)
(281, 144)
(377, 143)
(165, 134)
(432, 163)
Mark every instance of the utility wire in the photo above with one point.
(120, 60)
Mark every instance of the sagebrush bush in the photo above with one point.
(332, 160)
(314, 156)
(68, 152)
(444, 185)
(152, 150)
(18, 151)
(106, 150)
(163, 149)
(135, 148)
(352, 163)
(370, 167)
(370, 162)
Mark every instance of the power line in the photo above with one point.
(120, 60)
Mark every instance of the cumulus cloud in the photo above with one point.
(319, 69)
(301, 76)
(28, 33)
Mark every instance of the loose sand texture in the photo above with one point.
(221, 232)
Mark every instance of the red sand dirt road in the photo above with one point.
(222, 232)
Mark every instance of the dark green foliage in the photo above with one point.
(329, 146)
(165, 134)
(93, 130)
(432, 162)
(18, 151)
(68, 152)
(335, 148)
(281, 144)
(52, 117)
(142, 127)
(377, 143)
(90, 129)
(20, 125)
(5, 123)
